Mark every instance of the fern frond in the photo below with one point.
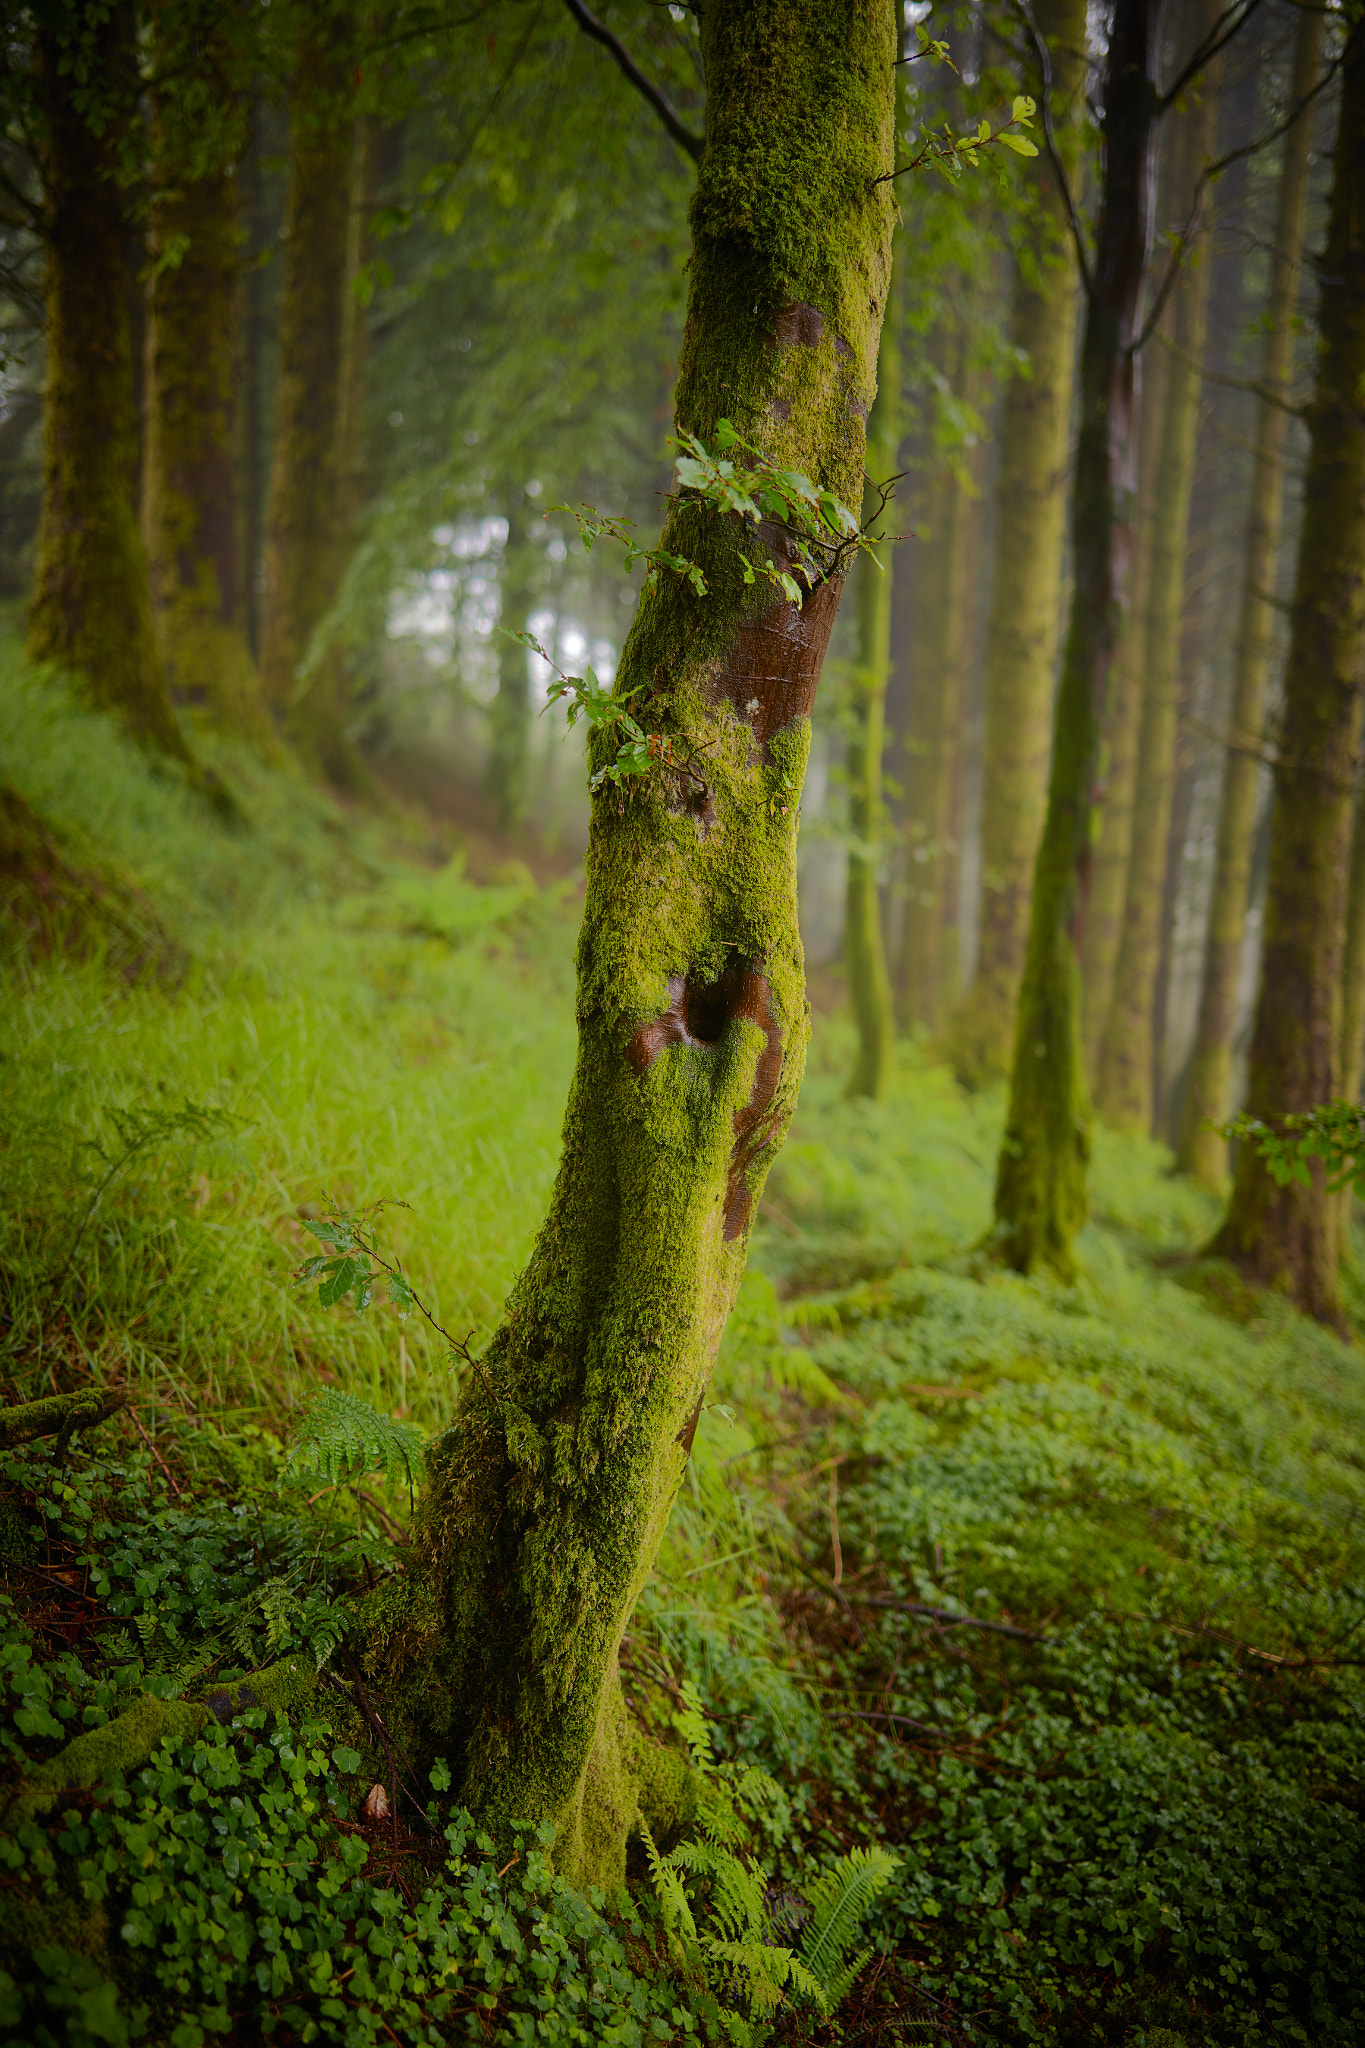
(838, 1902)
(753, 1971)
(674, 1909)
(691, 1724)
(339, 1437)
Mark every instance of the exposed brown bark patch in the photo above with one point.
(773, 668)
(687, 1435)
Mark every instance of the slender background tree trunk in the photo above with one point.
(1040, 1196)
(1123, 1089)
(1021, 647)
(869, 984)
(1288, 1237)
(1208, 1101)
(91, 608)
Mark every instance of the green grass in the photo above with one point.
(1080, 1635)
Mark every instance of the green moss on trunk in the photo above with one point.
(303, 517)
(1114, 831)
(869, 983)
(91, 610)
(1287, 1236)
(1208, 1100)
(1040, 1195)
(189, 504)
(549, 1494)
(1021, 645)
(1124, 1090)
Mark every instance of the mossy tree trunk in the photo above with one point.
(510, 751)
(304, 510)
(1114, 840)
(869, 982)
(1021, 645)
(1040, 1194)
(1287, 1237)
(1123, 1085)
(91, 609)
(189, 484)
(548, 1496)
(1202, 1152)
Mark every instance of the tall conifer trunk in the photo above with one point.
(510, 752)
(869, 983)
(1021, 646)
(1123, 1088)
(304, 513)
(1202, 1151)
(91, 609)
(1040, 1195)
(548, 1495)
(189, 500)
(1287, 1237)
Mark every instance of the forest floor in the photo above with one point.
(1058, 1592)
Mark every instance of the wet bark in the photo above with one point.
(1208, 1101)
(304, 511)
(1123, 1086)
(1288, 1237)
(91, 608)
(869, 982)
(1021, 647)
(1040, 1197)
(549, 1494)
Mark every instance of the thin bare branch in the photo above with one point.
(600, 33)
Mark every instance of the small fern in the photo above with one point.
(726, 1926)
(838, 1903)
(340, 1438)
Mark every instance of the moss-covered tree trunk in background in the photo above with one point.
(1208, 1100)
(1040, 1193)
(91, 608)
(548, 1496)
(1123, 1085)
(1287, 1237)
(190, 512)
(931, 735)
(869, 982)
(1114, 832)
(1021, 645)
(303, 517)
(1353, 967)
(509, 758)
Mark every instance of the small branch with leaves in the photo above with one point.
(1334, 1132)
(349, 1269)
(941, 150)
(638, 752)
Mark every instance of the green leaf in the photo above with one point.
(1020, 144)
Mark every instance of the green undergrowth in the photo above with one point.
(1056, 1593)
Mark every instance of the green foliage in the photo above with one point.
(715, 1904)
(340, 1437)
(1334, 1133)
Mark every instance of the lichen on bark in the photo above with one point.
(549, 1494)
